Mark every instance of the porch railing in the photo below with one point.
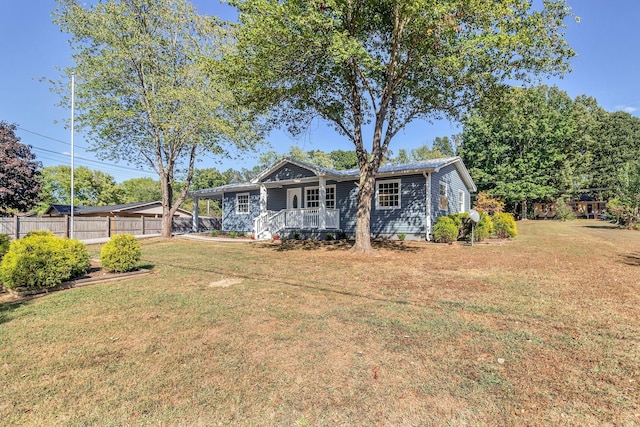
(304, 219)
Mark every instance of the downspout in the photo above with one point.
(427, 220)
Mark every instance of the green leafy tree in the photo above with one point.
(614, 148)
(142, 92)
(625, 207)
(520, 149)
(443, 145)
(91, 187)
(370, 68)
(344, 160)
(19, 173)
(140, 190)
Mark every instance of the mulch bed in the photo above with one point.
(94, 276)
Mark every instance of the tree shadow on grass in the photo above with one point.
(8, 307)
(631, 259)
(338, 245)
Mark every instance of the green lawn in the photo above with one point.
(543, 330)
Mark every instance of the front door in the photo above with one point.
(294, 198)
(293, 217)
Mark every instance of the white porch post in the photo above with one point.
(263, 198)
(322, 195)
(194, 227)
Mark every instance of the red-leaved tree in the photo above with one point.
(19, 173)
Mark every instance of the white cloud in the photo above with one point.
(626, 108)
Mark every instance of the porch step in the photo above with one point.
(265, 235)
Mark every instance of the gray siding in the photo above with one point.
(449, 175)
(231, 221)
(409, 218)
(288, 171)
(347, 202)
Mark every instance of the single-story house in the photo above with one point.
(294, 196)
(145, 209)
(584, 207)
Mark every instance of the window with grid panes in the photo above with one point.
(388, 194)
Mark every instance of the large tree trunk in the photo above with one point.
(363, 214)
(524, 210)
(167, 199)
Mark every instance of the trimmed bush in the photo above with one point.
(121, 253)
(483, 229)
(42, 261)
(445, 230)
(463, 222)
(402, 236)
(504, 226)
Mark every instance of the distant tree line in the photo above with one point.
(538, 144)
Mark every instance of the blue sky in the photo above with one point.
(607, 67)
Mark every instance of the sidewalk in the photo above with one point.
(106, 239)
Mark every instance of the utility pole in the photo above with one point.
(73, 81)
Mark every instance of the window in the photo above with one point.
(331, 197)
(312, 197)
(460, 201)
(443, 199)
(242, 203)
(388, 194)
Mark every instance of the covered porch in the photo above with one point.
(269, 223)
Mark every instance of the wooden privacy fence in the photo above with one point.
(85, 228)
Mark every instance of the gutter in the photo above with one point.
(427, 219)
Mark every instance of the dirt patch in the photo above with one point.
(225, 283)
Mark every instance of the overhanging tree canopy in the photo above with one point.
(141, 90)
(371, 67)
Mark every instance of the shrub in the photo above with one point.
(445, 230)
(484, 228)
(296, 235)
(504, 226)
(463, 222)
(42, 260)
(4, 244)
(214, 233)
(121, 253)
(232, 234)
(485, 203)
(329, 236)
(564, 212)
(402, 236)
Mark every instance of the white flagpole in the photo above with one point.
(73, 81)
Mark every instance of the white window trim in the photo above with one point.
(238, 195)
(389, 181)
(446, 195)
(461, 201)
(306, 201)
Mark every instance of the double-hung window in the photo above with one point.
(242, 203)
(388, 194)
(460, 201)
(331, 197)
(312, 197)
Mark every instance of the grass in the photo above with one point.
(543, 330)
